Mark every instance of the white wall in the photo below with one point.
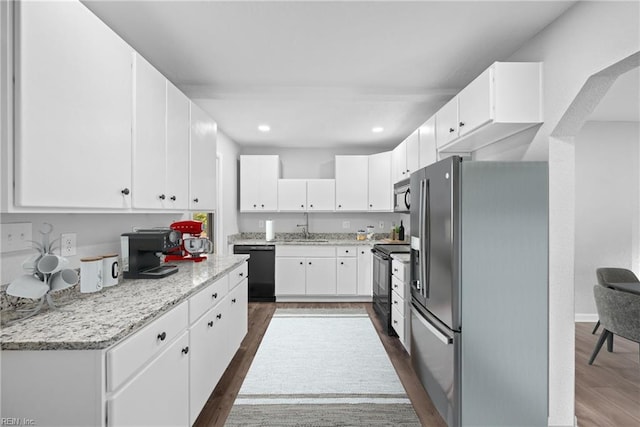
(97, 234)
(607, 198)
(227, 211)
(588, 38)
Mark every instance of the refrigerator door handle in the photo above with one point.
(425, 237)
(435, 331)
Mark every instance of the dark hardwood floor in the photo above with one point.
(607, 392)
(221, 400)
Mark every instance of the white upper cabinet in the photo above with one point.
(352, 176)
(427, 137)
(202, 167)
(259, 183)
(292, 195)
(380, 186)
(412, 152)
(447, 123)
(321, 195)
(505, 99)
(73, 92)
(405, 157)
(177, 170)
(149, 136)
(399, 162)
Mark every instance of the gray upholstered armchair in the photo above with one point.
(608, 275)
(619, 313)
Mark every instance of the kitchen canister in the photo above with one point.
(110, 270)
(91, 274)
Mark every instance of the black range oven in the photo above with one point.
(382, 282)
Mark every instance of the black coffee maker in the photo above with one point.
(142, 251)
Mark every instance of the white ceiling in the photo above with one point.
(323, 73)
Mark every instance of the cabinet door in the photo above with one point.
(447, 123)
(238, 315)
(365, 283)
(474, 103)
(321, 194)
(202, 169)
(399, 162)
(149, 136)
(73, 109)
(290, 276)
(380, 187)
(206, 339)
(347, 276)
(427, 136)
(159, 394)
(177, 176)
(352, 176)
(259, 183)
(321, 276)
(292, 195)
(413, 152)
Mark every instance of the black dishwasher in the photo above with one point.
(262, 271)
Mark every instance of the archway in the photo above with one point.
(562, 229)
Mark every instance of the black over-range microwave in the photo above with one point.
(401, 196)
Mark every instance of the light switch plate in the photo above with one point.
(16, 236)
(346, 224)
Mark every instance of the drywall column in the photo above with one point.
(561, 284)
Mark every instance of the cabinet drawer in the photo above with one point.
(399, 269)
(207, 298)
(399, 286)
(397, 302)
(131, 354)
(306, 251)
(238, 275)
(397, 321)
(347, 251)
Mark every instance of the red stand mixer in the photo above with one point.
(193, 247)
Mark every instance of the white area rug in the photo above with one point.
(321, 367)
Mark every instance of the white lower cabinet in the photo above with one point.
(321, 276)
(238, 317)
(308, 272)
(207, 360)
(400, 300)
(347, 276)
(365, 273)
(159, 394)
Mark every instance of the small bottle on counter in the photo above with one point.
(401, 232)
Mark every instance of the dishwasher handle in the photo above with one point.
(240, 249)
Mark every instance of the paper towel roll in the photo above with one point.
(268, 224)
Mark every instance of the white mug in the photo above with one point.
(91, 274)
(63, 279)
(51, 263)
(27, 286)
(110, 270)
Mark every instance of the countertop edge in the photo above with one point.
(125, 332)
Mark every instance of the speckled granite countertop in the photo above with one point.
(325, 239)
(98, 320)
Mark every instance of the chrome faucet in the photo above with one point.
(305, 226)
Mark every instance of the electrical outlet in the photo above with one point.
(346, 224)
(68, 244)
(261, 223)
(16, 236)
(381, 225)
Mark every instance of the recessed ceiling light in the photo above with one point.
(377, 129)
(264, 128)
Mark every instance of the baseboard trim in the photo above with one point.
(586, 317)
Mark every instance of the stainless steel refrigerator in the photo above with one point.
(479, 268)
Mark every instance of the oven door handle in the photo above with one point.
(379, 255)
